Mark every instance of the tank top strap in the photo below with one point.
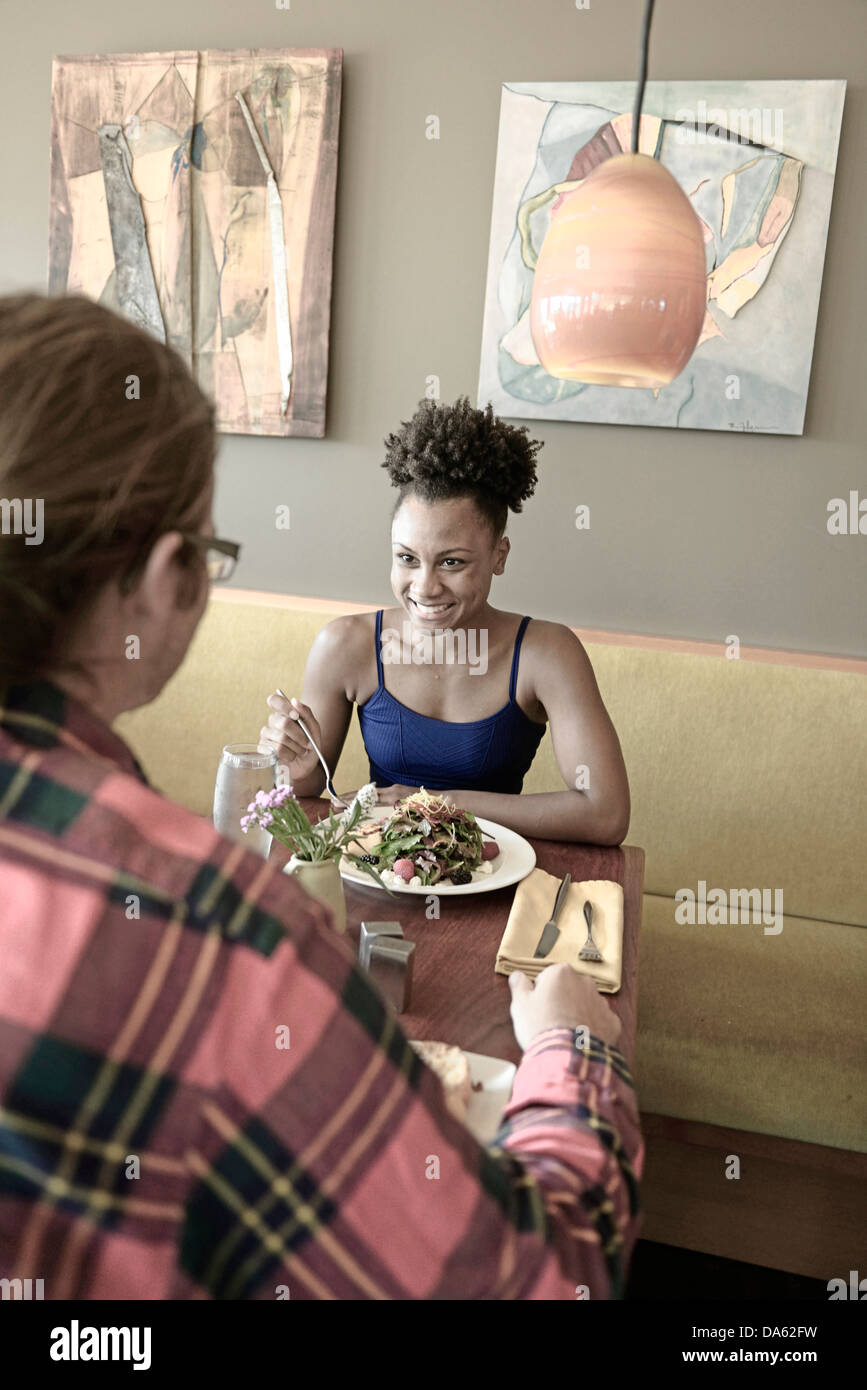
(379, 646)
(513, 681)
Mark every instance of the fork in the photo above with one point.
(589, 950)
(329, 785)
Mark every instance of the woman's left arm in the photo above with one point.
(595, 809)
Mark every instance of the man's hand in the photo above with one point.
(560, 997)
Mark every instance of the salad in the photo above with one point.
(426, 840)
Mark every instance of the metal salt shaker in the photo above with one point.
(390, 966)
(371, 932)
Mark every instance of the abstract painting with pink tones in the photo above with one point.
(757, 160)
(194, 192)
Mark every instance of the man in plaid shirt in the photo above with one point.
(157, 1140)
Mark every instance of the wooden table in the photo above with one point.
(456, 996)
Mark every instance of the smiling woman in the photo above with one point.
(452, 693)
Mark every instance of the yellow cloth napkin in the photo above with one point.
(532, 908)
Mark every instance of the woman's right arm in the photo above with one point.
(325, 706)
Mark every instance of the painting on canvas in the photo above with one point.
(194, 193)
(757, 160)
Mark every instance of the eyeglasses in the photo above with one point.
(220, 556)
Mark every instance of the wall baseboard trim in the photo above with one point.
(796, 1207)
(769, 655)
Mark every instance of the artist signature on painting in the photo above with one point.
(749, 426)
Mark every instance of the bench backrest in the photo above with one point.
(743, 774)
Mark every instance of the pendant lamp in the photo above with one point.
(619, 290)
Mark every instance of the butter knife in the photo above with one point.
(551, 931)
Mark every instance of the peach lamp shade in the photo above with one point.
(619, 291)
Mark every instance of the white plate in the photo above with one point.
(485, 1112)
(516, 859)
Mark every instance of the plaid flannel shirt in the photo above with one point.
(158, 1140)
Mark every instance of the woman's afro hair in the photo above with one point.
(455, 450)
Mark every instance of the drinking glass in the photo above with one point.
(243, 771)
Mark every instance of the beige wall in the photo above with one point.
(694, 534)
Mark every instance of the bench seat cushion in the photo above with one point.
(754, 1032)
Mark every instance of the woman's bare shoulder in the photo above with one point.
(346, 647)
(348, 630)
(555, 654)
(545, 636)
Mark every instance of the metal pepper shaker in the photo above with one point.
(374, 931)
(390, 965)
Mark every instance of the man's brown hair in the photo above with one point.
(113, 472)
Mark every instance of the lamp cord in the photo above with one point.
(642, 74)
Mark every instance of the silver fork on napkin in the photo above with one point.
(589, 950)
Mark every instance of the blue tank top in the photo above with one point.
(416, 750)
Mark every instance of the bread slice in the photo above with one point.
(367, 836)
(453, 1070)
